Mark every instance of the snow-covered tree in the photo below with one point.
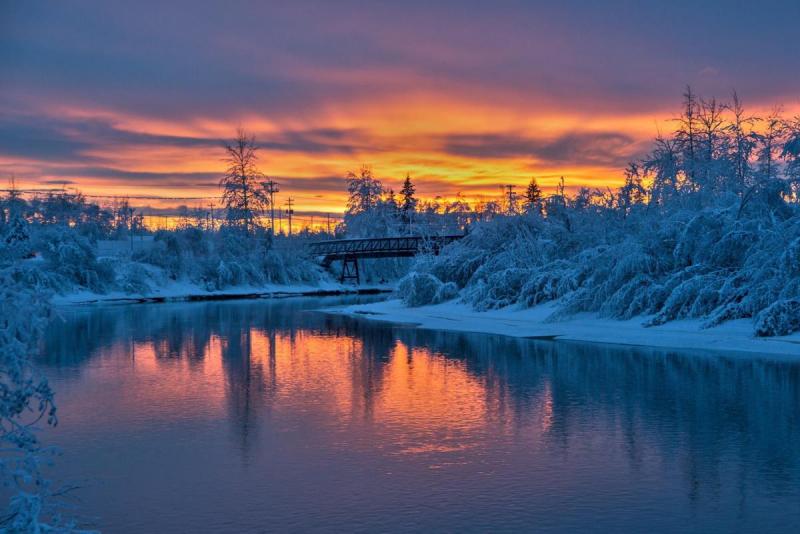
(243, 196)
(742, 144)
(706, 226)
(363, 189)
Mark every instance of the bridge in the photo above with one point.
(349, 251)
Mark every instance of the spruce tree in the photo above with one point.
(408, 203)
(533, 196)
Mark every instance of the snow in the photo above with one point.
(185, 290)
(731, 337)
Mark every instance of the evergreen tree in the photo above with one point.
(533, 197)
(408, 204)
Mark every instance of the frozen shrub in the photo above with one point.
(629, 300)
(681, 301)
(134, 278)
(15, 241)
(72, 257)
(780, 319)
(292, 265)
(731, 250)
(160, 255)
(419, 289)
(790, 259)
(549, 282)
(457, 263)
(697, 258)
(229, 273)
(698, 238)
(500, 289)
(446, 292)
(230, 257)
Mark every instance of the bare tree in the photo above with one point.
(243, 196)
(711, 130)
(686, 135)
(743, 143)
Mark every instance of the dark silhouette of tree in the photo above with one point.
(408, 203)
(533, 197)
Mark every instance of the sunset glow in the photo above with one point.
(326, 89)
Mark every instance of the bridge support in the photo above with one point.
(350, 269)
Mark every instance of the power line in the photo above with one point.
(112, 197)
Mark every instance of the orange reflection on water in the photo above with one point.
(378, 389)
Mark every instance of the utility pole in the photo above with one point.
(271, 187)
(328, 222)
(289, 213)
(511, 199)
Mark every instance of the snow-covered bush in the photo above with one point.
(421, 289)
(779, 319)
(447, 291)
(72, 256)
(15, 241)
(717, 267)
(230, 257)
(686, 237)
(135, 278)
(500, 289)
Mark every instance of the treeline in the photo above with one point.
(706, 226)
(70, 209)
(375, 210)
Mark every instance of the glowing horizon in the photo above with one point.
(119, 102)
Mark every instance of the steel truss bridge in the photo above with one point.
(349, 251)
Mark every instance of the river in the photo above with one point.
(260, 416)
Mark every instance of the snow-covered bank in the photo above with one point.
(730, 337)
(187, 291)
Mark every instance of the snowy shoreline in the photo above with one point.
(188, 292)
(731, 337)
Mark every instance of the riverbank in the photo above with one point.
(731, 337)
(188, 292)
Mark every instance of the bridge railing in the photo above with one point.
(402, 245)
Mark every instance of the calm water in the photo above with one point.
(267, 416)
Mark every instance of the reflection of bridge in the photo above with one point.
(350, 250)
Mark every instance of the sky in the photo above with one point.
(138, 98)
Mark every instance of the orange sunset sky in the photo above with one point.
(138, 98)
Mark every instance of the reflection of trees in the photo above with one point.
(245, 380)
(183, 332)
(178, 330)
(367, 357)
(720, 410)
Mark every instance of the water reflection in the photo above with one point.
(500, 430)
